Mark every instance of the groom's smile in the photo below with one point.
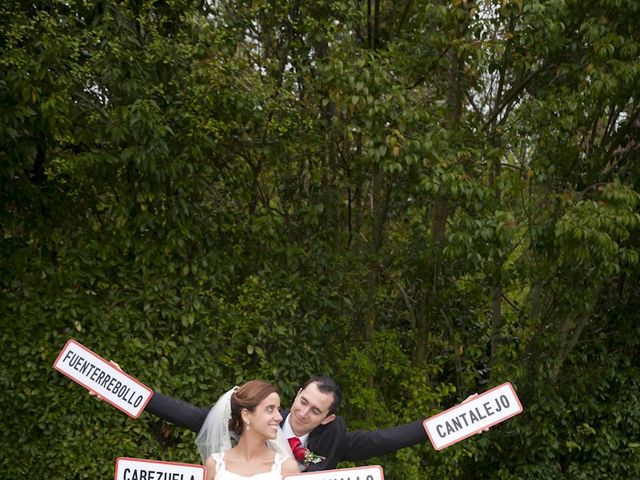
(310, 409)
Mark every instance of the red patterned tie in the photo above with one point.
(297, 448)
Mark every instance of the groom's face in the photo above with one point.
(310, 409)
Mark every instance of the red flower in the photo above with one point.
(303, 455)
(298, 450)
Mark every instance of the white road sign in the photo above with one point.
(373, 472)
(468, 418)
(139, 469)
(96, 374)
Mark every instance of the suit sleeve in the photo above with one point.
(177, 411)
(364, 444)
(330, 442)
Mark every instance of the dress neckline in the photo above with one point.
(221, 465)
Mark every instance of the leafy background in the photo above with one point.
(422, 199)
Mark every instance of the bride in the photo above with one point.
(249, 416)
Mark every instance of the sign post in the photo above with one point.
(96, 374)
(468, 418)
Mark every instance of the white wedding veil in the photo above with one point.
(214, 435)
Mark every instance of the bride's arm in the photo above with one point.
(210, 465)
(289, 467)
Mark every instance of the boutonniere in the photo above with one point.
(310, 457)
(303, 455)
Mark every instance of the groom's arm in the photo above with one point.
(176, 411)
(364, 444)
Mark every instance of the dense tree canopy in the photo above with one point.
(422, 199)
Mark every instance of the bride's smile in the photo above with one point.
(265, 419)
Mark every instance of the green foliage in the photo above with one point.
(424, 202)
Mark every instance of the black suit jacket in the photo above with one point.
(332, 441)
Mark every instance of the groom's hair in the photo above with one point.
(327, 385)
(248, 395)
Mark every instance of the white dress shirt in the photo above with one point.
(288, 432)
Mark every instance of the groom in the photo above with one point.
(313, 422)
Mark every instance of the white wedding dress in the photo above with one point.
(223, 474)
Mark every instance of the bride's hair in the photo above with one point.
(248, 395)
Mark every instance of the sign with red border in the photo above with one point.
(372, 472)
(96, 374)
(470, 417)
(139, 469)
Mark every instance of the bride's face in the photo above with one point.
(265, 419)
